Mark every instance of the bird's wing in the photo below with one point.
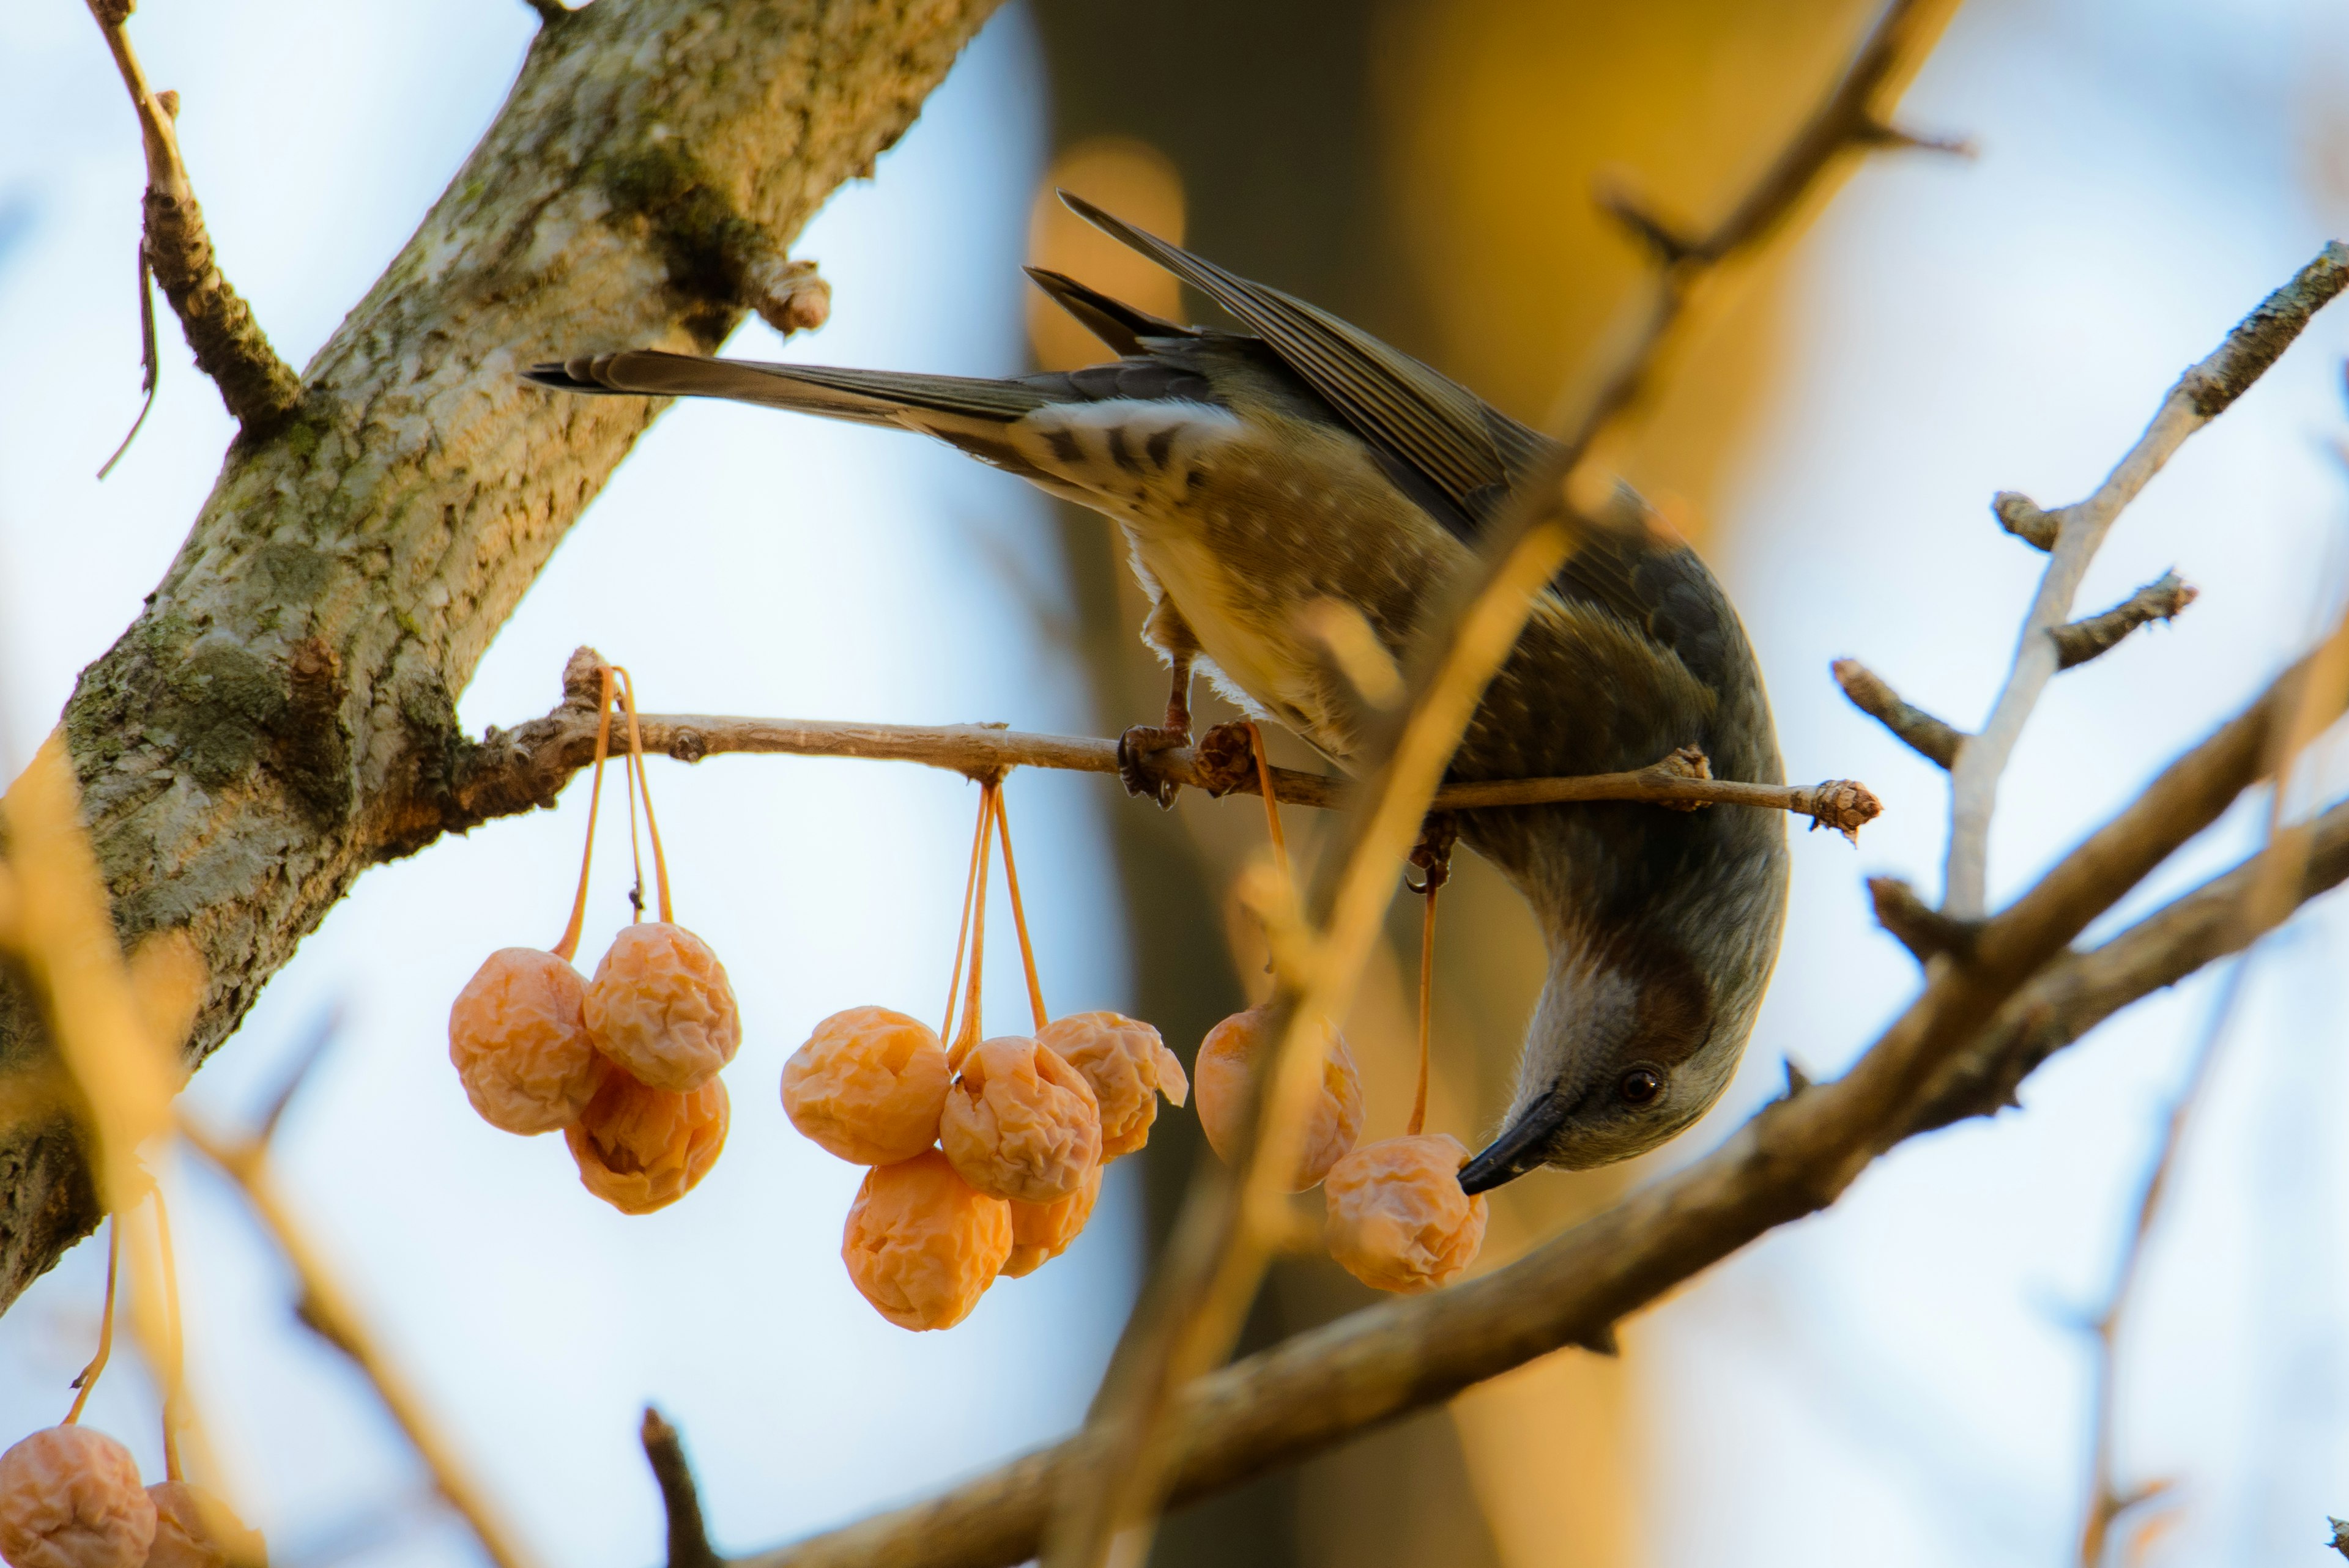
(864, 396)
(1114, 322)
(1471, 451)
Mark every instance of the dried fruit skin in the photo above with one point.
(520, 1042)
(869, 1086)
(194, 1529)
(660, 1007)
(921, 1245)
(1021, 1123)
(1220, 1080)
(1398, 1218)
(70, 1498)
(641, 1149)
(1042, 1231)
(1127, 1065)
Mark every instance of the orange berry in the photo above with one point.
(1020, 1122)
(921, 1245)
(1221, 1075)
(642, 1149)
(69, 1498)
(660, 1007)
(1398, 1218)
(194, 1529)
(520, 1043)
(1128, 1067)
(1042, 1231)
(869, 1086)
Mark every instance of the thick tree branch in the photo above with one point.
(281, 715)
(2019, 999)
(259, 388)
(2077, 642)
(2200, 395)
(1925, 734)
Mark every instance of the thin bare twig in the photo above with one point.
(1924, 931)
(2106, 1500)
(688, 1536)
(1851, 118)
(514, 770)
(2077, 642)
(1975, 1026)
(328, 1310)
(2200, 395)
(1925, 734)
(259, 388)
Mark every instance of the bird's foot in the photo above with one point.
(1138, 751)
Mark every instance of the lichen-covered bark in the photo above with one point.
(282, 715)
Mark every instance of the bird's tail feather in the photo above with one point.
(864, 396)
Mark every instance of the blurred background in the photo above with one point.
(1905, 1378)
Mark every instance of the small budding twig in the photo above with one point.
(259, 388)
(2077, 642)
(1924, 931)
(1925, 734)
(688, 1536)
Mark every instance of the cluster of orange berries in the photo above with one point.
(627, 1065)
(70, 1498)
(986, 1158)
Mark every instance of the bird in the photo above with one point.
(1267, 478)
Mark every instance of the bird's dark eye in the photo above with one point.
(1639, 1086)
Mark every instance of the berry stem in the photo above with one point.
(1426, 1002)
(644, 788)
(88, 1379)
(1271, 804)
(1018, 914)
(175, 1344)
(570, 942)
(971, 940)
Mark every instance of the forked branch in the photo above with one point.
(259, 388)
(2200, 395)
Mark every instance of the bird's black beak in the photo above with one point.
(1518, 1149)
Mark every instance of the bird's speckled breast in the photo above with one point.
(1243, 523)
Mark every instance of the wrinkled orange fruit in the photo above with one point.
(660, 1007)
(921, 1245)
(1021, 1123)
(1219, 1079)
(641, 1149)
(70, 1498)
(1398, 1218)
(1042, 1231)
(1128, 1067)
(869, 1086)
(520, 1043)
(194, 1529)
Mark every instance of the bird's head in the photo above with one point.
(1635, 1036)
